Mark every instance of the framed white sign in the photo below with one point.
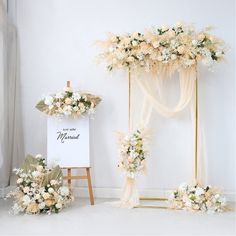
(68, 142)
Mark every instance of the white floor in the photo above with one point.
(103, 219)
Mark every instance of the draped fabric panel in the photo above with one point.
(11, 135)
(154, 99)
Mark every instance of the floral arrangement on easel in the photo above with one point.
(162, 51)
(68, 103)
(39, 189)
(132, 153)
(197, 198)
(179, 46)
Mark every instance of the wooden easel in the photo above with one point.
(70, 177)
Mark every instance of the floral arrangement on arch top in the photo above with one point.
(180, 45)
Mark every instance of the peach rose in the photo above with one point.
(32, 208)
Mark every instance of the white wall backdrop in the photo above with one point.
(56, 43)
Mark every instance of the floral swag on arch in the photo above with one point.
(158, 54)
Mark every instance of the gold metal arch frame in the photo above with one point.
(164, 199)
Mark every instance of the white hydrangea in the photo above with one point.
(64, 191)
(48, 100)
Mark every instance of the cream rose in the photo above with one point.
(201, 36)
(32, 208)
(68, 101)
(19, 181)
(181, 49)
(46, 195)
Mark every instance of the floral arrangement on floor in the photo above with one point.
(197, 198)
(132, 152)
(68, 103)
(180, 45)
(39, 189)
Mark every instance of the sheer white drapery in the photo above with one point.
(11, 139)
(155, 100)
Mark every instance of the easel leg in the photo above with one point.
(90, 187)
(69, 177)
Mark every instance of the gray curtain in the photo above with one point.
(11, 136)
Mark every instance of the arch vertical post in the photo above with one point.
(196, 131)
(130, 102)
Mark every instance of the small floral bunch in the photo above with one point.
(132, 152)
(68, 103)
(180, 45)
(39, 189)
(197, 198)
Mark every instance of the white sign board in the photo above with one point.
(68, 142)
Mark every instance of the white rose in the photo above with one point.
(26, 189)
(50, 190)
(76, 96)
(67, 110)
(75, 108)
(218, 54)
(38, 156)
(134, 43)
(19, 181)
(48, 100)
(64, 191)
(199, 191)
(35, 173)
(194, 42)
(41, 205)
(58, 205)
(37, 196)
(26, 200)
